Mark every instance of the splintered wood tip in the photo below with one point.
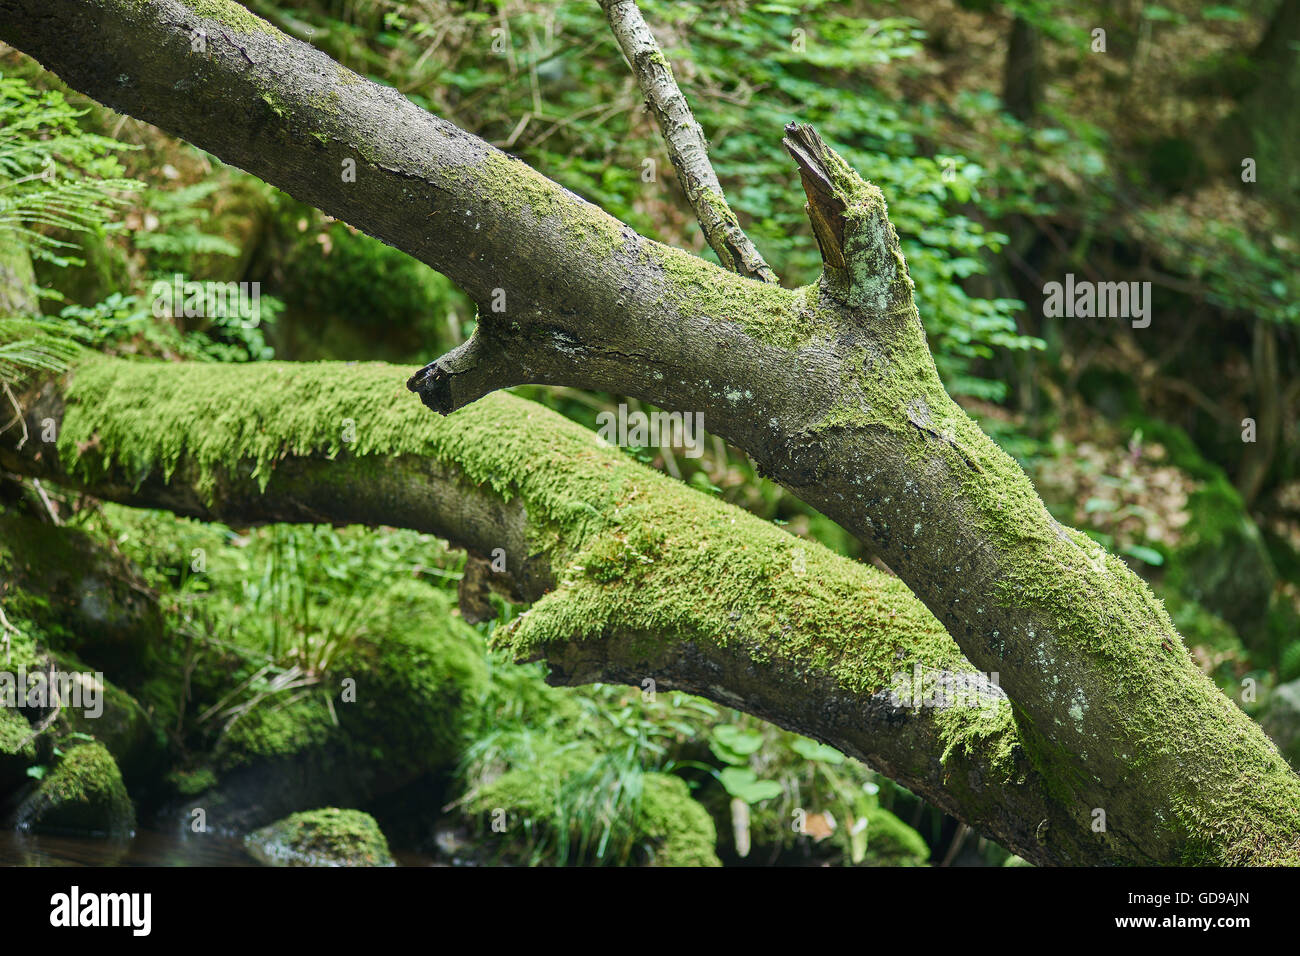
(825, 205)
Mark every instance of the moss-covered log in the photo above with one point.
(633, 575)
(831, 389)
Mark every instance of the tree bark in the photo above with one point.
(830, 389)
(1268, 405)
(1022, 73)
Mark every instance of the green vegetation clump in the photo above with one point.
(233, 15)
(679, 830)
(17, 748)
(190, 783)
(572, 806)
(329, 837)
(390, 708)
(891, 842)
(15, 734)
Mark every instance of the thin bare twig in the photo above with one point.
(6, 629)
(45, 500)
(687, 148)
(958, 839)
(18, 417)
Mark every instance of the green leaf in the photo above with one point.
(812, 750)
(1142, 553)
(734, 745)
(742, 784)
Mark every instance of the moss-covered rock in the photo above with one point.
(116, 720)
(571, 806)
(84, 793)
(17, 750)
(92, 705)
(681, 830)
(79, 595)
(390, 710)
(328, 837)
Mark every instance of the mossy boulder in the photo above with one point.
(390, 711)
(18, 747)
(79, 596)
(94, 707)
(329, 837)
(569, 806)
(117, 721)
(84, 793)
(17, 750)
(681, 831)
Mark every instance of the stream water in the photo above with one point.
(145, 848)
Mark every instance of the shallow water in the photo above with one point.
(146, 848)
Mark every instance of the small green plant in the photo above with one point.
(56, 181)
(55, 177)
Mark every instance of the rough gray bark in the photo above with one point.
(830, 389)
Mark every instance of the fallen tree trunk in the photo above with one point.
(635, 577)
(830, 389)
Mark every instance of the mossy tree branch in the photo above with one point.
(687, 148)
(831, 390)
(634, 576)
